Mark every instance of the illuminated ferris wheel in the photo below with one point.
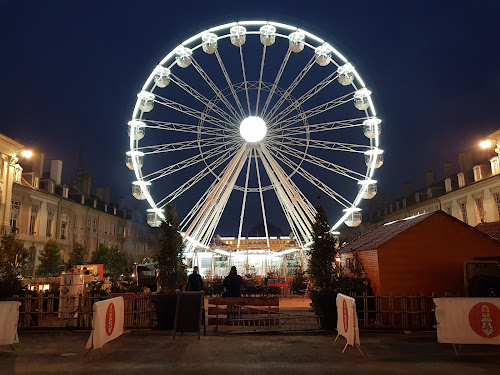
(254, 108)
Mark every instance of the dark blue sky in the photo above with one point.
(70, 72)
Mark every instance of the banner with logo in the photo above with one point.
(468, 320)
(107, 322)
(347, 319)
(9, 316)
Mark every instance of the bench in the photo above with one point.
(243, 311)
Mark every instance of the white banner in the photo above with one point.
(468, 320)
(107, 322)
(347, 319)
(9, 316)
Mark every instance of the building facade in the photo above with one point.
(36, 207)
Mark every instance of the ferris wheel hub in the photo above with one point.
(253, 129)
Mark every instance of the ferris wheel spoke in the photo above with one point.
(194, 113)
(187, 128)
(261, 199)
(195, 179)
(260, 79)
(276, 81)
(229, 83)
(202, 99)
(321, 163)
(304, 98)
(216, 90)
(290, 88)
(185, 145)
(312, 179)
(243, 203)
(186, 163)
(298, 199)
(312, 112)
(320, 127)
(245, 79)
(286, 196)
(316, 143)
(209, 215)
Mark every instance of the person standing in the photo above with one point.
(195, 282)
(232, 283)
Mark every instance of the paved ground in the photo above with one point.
(308, 353)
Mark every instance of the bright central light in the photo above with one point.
(485, 144)
(253, 129)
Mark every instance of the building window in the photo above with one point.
(479, 209)
(404, 202)
(447, 185)
(14, 214)
(34, 214)
(397, 206)
(18, 171)
(497, 202)
(95, 226)
(495, 165)
(50, 217)
(448, 210)
(477, 173)
(461, 180)
(64, 223)
(463, 210)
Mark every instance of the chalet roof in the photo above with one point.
(378, 236)
(490, 229)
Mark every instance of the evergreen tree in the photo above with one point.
(169, 256)
(113, 260)
(77, 255)
(322, 267)
(51, 261)
(13, 259)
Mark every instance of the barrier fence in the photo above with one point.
(44, 312)
(391, 312)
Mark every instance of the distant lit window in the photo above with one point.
(33, 217)
(447, 185)
(461, 180)
(479, 209)
(50, 217)
(64, 223)
(497, 202)
(463, 210)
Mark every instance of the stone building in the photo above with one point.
(40, 207)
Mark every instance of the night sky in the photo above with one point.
(70, 72)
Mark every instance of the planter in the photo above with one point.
(165, 306)
(325, 307)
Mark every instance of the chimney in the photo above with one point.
(408, 188)
(56, 171)
(448, 169)
(466, 162)
(430, 178)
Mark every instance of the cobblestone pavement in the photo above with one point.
(149, 352)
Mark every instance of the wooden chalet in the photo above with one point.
(420, 254)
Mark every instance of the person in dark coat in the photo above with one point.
(232, 283)
(195, 282)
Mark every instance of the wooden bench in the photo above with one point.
(243, 311)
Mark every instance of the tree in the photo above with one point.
(169, 255)
(51, 261)
(322, 267)
(13, 259)
(113, 260)
(77, 255)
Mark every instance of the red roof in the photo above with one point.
(490, 229)
(378, 236)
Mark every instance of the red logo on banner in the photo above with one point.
(484, 319)
(346, 316)
(110, 319)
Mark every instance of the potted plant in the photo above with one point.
(170, 273)
(323, 270)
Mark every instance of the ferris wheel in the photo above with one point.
(259, 109)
